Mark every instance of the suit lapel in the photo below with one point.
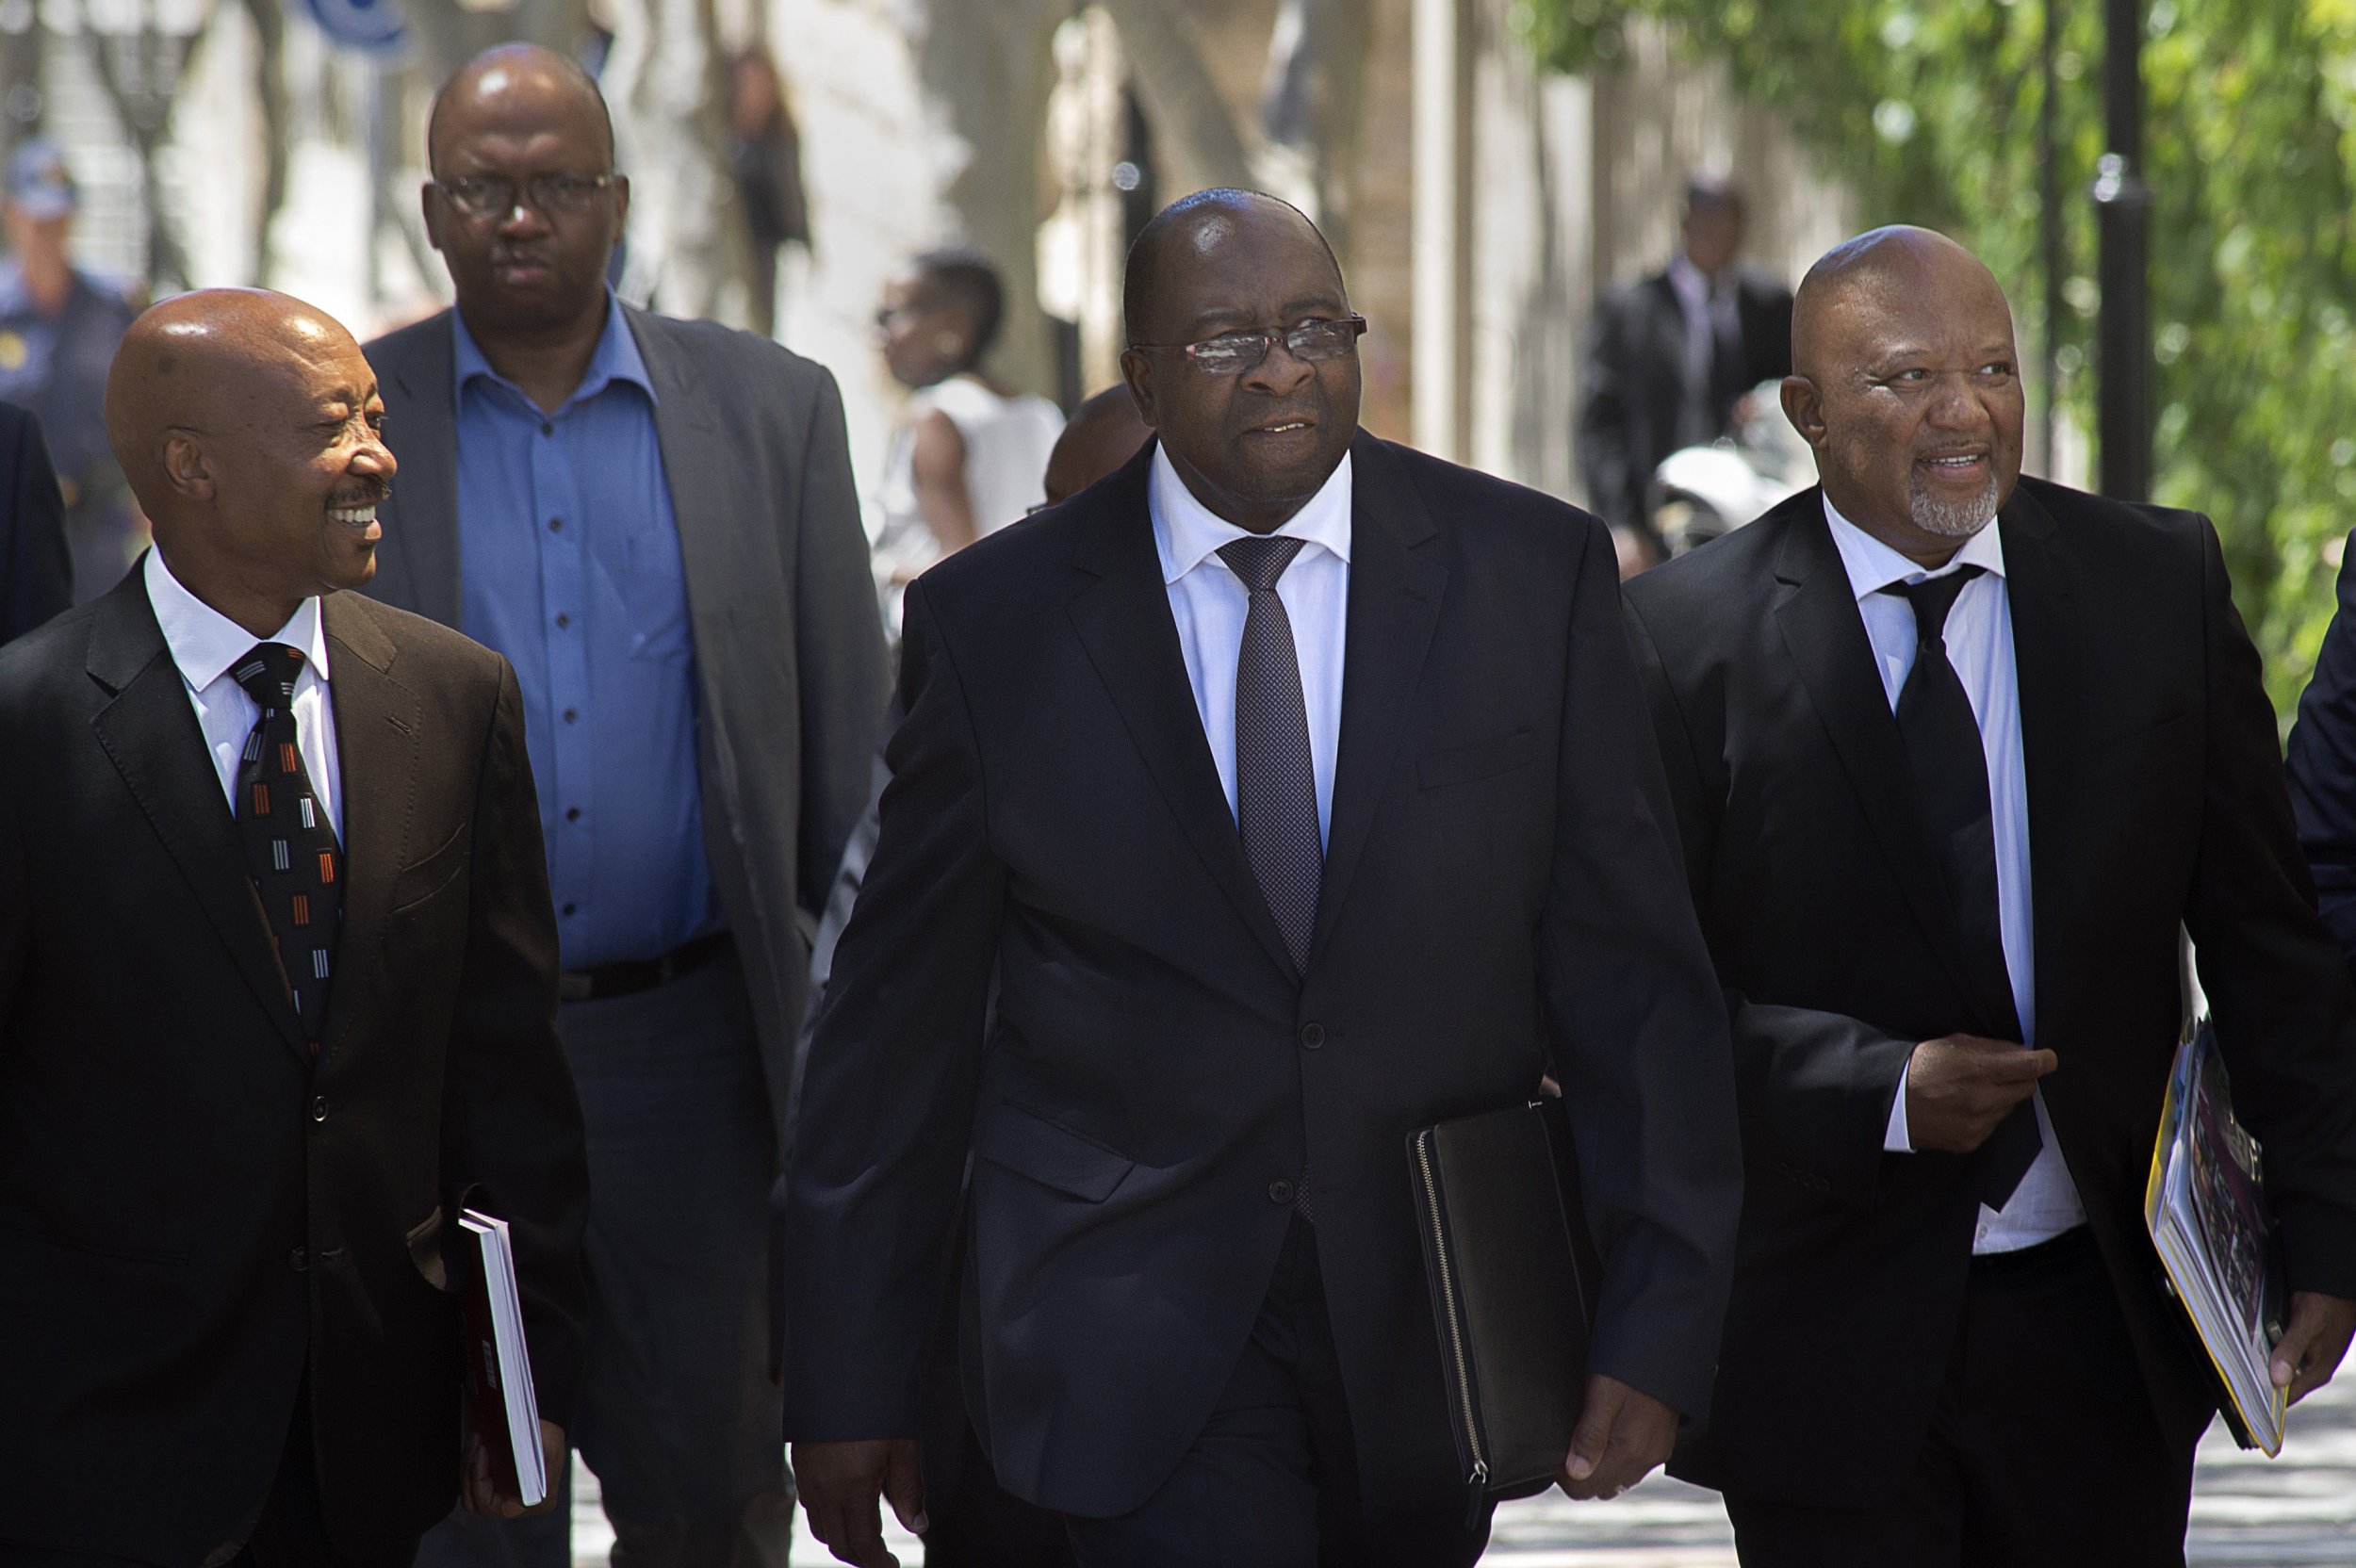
(1121, 615)
(421, 555)
(1396, 585)
(1816, 609)
(150, 733)
(377, 721)
(2040, 587)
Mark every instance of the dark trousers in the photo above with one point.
(1272, 1481)
(678, 1415)
(2044, 1449)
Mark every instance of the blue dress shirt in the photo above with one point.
(569, 566)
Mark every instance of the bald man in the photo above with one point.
(654, 521)
(1955, 754)
(1279, 794)
(277, 995)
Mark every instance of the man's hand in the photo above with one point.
(1959, 1088)
(2313, 1341)
(839, 1482)
(486, 1499)
(1621, 1436)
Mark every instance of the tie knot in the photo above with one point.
(1260, 562)
(268, 674)
(1932, 598)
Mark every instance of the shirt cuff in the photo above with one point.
(1895, 1140)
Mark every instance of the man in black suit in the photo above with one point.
(1947, 793)
(35, 569)
(1668, 357)
(277, 998)
(1294, 792)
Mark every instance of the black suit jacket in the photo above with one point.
(1499, 897)
(191, 1207)
(1633, 383)
(36, 571)
(2322, 768)
(2155, 797)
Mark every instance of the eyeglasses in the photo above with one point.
(1231, 353)
(496, 195)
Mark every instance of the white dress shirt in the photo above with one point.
(1979, 646)
(1209, 601)
(204, 642)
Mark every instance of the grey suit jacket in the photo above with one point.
(790, 664)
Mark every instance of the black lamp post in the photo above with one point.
(2124, 213)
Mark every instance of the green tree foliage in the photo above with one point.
(1929, 109)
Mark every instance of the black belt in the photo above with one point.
(621, 978)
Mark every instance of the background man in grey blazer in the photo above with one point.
(654, 520)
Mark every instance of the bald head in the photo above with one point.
(1906, 383)
(247, 424)
(1200, 230)
(1102, 434)
(518, 80)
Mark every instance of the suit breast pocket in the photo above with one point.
(436, 872)
(1463, 764)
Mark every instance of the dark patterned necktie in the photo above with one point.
(290, 848)
(1276, 786)
(1951, 790)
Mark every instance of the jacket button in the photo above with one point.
(300, 1260)
(319, 1109)
(1312, 1036)
(1280, 1192)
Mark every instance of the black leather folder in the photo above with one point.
(1514, 1276)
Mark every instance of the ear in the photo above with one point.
(621, 202)
(185, 467)
(1139, 373)
(429, 199)
(1805, 407)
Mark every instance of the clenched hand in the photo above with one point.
(1958, 1088)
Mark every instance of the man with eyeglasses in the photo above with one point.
(1286, 791)
(654, 521)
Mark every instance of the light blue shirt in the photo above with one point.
(1209, 601)
(569, 557)
(1979, 644)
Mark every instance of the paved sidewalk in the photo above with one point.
(2248, 1511)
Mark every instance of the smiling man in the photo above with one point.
(1282, 793)
(277, 996)
(1956, 756)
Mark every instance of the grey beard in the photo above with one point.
(1954, 520)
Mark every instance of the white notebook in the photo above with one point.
(498, 1369)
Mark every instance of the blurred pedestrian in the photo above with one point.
(1104, 432)
(971, 454)
(765, 155)
(278, 984)
(36, 572)
(1174, 955)
(654, 520)
(1667, 359)
(1956, 756)
(59, 328)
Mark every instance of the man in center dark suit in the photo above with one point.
(277, 1000)
(1948, 792)
(1668, 357)
(36, 570)
(1295, 791)
(654, 521)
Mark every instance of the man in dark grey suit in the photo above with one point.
(654, 520)
(36, 573)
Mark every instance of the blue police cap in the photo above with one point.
(40, 183)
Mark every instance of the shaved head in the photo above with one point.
(1906, 385)
(1103, 433)
(513, 76)
(247, 423)
(1200, 224)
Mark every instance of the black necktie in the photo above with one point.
(1951, 791)
(290, 848)
(1276, 786)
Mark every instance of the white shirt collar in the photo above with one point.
(1873, 565)
(1185, 530)
(204, 642)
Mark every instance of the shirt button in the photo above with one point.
(319, 1109)
(299, 1260)
(1312, 1036)
(556, 523)
(572, 813)
(546, 428)
(563, 620)
(1280, 1192)
(571, 714)
(567, 911)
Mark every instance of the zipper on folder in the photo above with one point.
(1478, 1479)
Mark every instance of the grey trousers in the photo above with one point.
(678, 1416)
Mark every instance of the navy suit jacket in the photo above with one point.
(1500, 898)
